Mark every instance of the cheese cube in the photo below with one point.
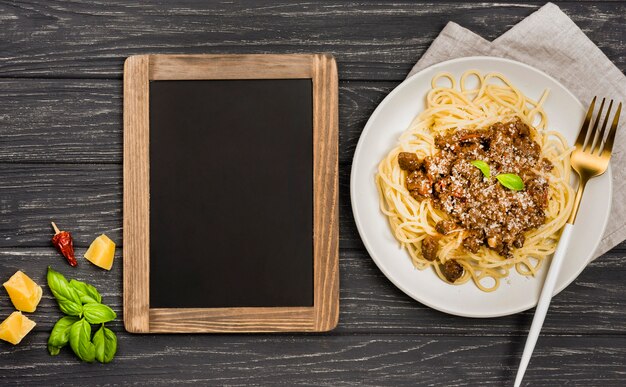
(15, 327)
(101, 252)
(23, 291)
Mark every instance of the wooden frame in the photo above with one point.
(323, 315)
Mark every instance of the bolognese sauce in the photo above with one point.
(488, 213)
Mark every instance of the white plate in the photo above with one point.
(392, 117)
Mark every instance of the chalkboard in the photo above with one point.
(230, 193)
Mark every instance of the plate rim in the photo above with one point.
(358, 221)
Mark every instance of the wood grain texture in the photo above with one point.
(325, 192)
(234, 320)
(267, 66)
(83, 199)
(136, 248)
(370, 39)
(324, 360)
(61, 154)
(60, 121)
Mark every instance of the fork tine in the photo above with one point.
(596, 146)
(582, 135)
(608, 145)
(594, 131)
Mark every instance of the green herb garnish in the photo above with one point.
(483, 166)
(82, 303)
(511, 181)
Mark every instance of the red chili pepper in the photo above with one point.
(62, 240)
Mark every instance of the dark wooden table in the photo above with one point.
(61, 158)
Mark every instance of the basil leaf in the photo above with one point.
(60, 334)
(105, 342)
(98, 313)
(66, 296)
(511, 181)
(87, 293)
(70, 308)
(483, 166)
(53, 350)
(80, 341)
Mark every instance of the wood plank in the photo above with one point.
(371, 40)
(370, 304)
(80, 121)
(190, 67)
(136, 195)
(325, 192)
(83, 199)
(233, 320)
(59, 121)
(323, 360)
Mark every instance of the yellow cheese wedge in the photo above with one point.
(24, 292)
(101, 252)
(15, 327)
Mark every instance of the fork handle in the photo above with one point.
(544, 301)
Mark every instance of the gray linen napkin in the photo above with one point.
(551, 42)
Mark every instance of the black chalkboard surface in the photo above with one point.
(231, 193)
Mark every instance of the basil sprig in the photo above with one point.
(508, 180)
(511, 181)
(82, 303)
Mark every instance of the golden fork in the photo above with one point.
(589, 159)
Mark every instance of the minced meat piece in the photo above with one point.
(452, 270)
(445, 226)
(409, 161)
(430, 246)
(473, 241)
(546, 165)
(519, 241)
(419, 182)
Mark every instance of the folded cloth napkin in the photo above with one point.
(551, 42)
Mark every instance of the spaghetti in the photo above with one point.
(414, 220)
